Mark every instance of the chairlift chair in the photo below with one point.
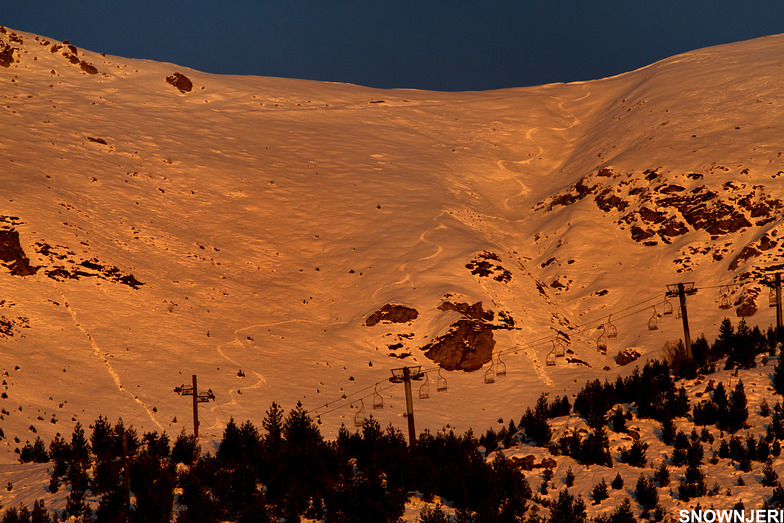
(652, 323)
(500, 366)
(490, 374)
(772, 301)
(666, 307)
(559, 347)
(611, 330)
(440, 382)
(601, 341)
(378, 400)
(424, 389)
(724, 297)
(550, 360)
(359, 417)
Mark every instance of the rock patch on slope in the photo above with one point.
(474, 311)
(392, 314)
(488, 264)
(12, 254)
(668, 209)
(181, 82)
(626, 356)
(466, 346)
(65, 266)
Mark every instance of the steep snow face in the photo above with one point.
(245, 229)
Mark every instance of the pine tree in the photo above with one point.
(738, 409)
(80, 449)
(185, 449)
(693, 484)
(102, 439)
(39, 451)
(695, 454)
(595, 448)
(635, 455)
(622, 514)
(618, 419)
(723, 343)
(230, 450)
(778, 376)
(273, 424)
(646, 493)
(617, 483)
(662, 475)
(569, 478)
(566, 508)
(770, 477)
(536, 427)
(153, 479)
(11, 515)
(599, 492)
(39, 513)
(433, 515)
(668, 430)
(302, 472)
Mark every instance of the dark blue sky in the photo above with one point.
(427, 44)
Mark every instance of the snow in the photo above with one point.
(267, 218)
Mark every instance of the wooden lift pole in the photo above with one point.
(405, 375)
(126, 474)
(778, 302)
(681, 290)
(195, 408)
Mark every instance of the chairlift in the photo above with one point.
(359, 417)
(559, 347)
(500, 366)
(550, 360)
(666, 307)
(378, 400)
(424, 389)
(652, 323)
(772, 301)
(440, 382)
(611, 330)
(601, 341)
(490, 374)
(724, 298)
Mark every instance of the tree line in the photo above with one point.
(286, 469)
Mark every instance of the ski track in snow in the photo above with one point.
(109, 368)
(403, 266)
(237, 342)
(529, 136)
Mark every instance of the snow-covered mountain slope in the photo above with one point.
(245, 230)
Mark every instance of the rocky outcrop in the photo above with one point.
(64, 265)
(626, 356)
(6, 55)
(12, 254)
(746, 304)
(488, 264)
(670, 209)
(181, 82)
(467, 345)
(474, 311)
(392, 314)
